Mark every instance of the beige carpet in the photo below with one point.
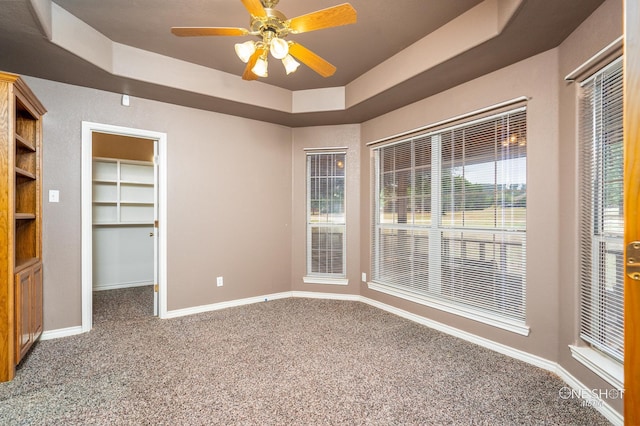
(293, 361)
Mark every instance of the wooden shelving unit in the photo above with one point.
(20, 222)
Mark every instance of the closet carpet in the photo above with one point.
(282, 362)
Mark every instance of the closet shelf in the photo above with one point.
(123, 192)
(136, 203)
(135, 183)
(98, 224)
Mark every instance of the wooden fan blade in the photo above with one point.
(208, 31)
(248, 74)
(335, 16)
(254, 7)
(311, 60)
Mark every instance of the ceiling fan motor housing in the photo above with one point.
(274, 22)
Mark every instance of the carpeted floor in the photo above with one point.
(292, 361)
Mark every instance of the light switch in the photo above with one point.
(54, 196)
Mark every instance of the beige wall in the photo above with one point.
(323, 137)
(222, 171)
(603, 27)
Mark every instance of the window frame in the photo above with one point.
(586, 351)
(311, 277)
(435, 230)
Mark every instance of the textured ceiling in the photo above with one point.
(384, 28)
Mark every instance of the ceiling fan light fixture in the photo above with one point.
(272, 27)
(279, 48)
(260, 68)
(290, 64)
(245, 50)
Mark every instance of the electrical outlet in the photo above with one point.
(219, 282)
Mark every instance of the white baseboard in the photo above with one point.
(115, 286)
(223, 305)
(605, 409)
(61, 332)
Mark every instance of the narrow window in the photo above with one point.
(326, 225)
(601, 211)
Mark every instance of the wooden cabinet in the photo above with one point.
(28, 308)
(20, 221)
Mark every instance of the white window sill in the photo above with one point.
(493, 320)
(609, 370)
(325, 280)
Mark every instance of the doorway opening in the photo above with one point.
(123, 211)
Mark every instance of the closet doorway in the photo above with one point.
(123, 234)
(124, 242)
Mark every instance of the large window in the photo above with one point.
(450, 219)
(601, 211)
(326, 215)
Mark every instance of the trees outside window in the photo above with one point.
(326, 220)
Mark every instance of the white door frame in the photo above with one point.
(87, 213)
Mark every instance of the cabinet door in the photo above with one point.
(35, 301)
(22, 311)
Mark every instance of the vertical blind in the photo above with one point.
(601, 211)
(326, 214)
(450, 215)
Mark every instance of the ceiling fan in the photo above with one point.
(271, 27)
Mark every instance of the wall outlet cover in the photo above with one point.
(54, 196)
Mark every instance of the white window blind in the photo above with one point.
(450, 217)
(326, 224)
(601, 211)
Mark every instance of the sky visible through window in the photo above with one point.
(511, 172)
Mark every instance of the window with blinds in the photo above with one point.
(450, 219)
(601, 211)
(326, 224)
